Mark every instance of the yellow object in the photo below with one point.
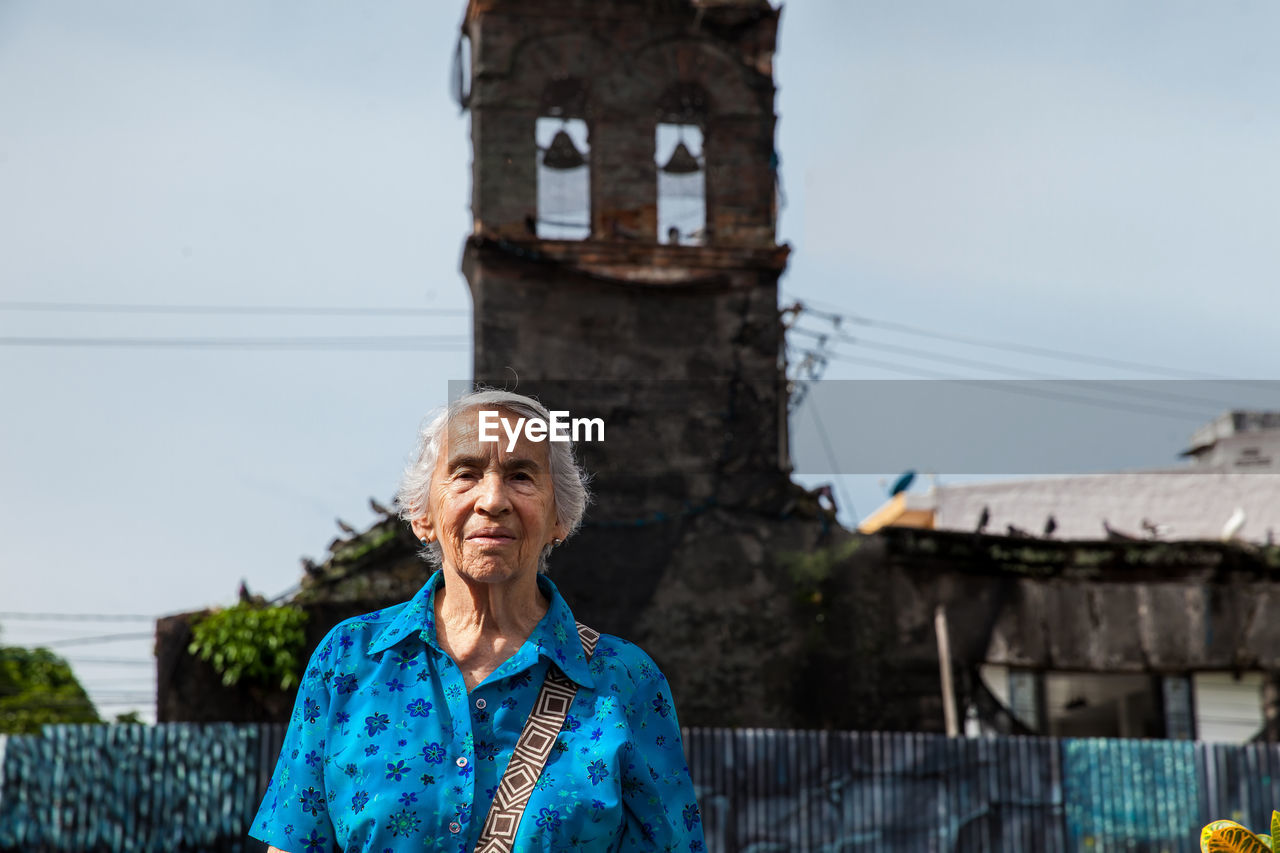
(1227, 836)
(896, 514)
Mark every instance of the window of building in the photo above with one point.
(682, 185)
(1087, 705)
(1228, 706)
(1076, 704)
(564, 179)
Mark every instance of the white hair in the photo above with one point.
(568, 480)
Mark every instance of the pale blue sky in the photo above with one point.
(1096, 177)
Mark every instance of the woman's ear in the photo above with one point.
(423, 528)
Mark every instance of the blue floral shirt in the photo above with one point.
(387, 751)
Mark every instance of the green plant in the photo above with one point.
(38, 688)
(248, 641)
(810, 570)
(1227, 836)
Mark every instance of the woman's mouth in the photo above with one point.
(491, 536)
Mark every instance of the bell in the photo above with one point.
(681, 162)
(562, 153)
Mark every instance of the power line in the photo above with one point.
(293, 310)
(1014, 387)
(77, 661)
(140, 692)
(378, 344)
(24, 652)
(77, 617)
(102, 638)
(840, 315)
(894, 367)
(831, 458)
(1122, 387)
(72, 705)
(926, 354)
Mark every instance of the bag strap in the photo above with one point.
(530, 755)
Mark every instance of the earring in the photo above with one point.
(423, 541)
(556, 541)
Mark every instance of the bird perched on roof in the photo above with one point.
(1050, 525)
(247, 598)
(826, 497)
(1154, 530)
(983, 519)
(1114, 535)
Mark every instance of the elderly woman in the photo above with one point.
(479, 715)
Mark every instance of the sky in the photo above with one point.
(961, 181)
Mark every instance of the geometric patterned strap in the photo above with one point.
(530, 755)
(589, 639)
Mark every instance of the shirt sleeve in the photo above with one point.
(657, 791)
(294, 815)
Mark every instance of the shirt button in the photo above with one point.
(455, 827)
(480, 703)
(462, 761)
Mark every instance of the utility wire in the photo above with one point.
(1018, 388)
(835, 313)
(8, 654)
(71, 704)
(102, 638)
(377, 344)
(107, 661)
(1123, 387)
(831, 458)
(119, 684)
(926, 354)
(289, 310)
(77, 617)
(894, 367)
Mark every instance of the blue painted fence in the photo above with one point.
(135, 788)
(194, 788)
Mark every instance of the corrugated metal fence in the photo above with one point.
(135, 788)
(195, 788)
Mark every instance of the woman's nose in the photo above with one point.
(492, 498)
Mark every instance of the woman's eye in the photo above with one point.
(520, 475)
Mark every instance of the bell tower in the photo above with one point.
(623, 263)
(623, 266)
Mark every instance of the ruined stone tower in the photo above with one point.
(623, 263)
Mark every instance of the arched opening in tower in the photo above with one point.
(682, 185)
(564, 179)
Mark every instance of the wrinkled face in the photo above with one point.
(492, 511)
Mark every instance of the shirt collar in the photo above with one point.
(417, 617)
(555, 637)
